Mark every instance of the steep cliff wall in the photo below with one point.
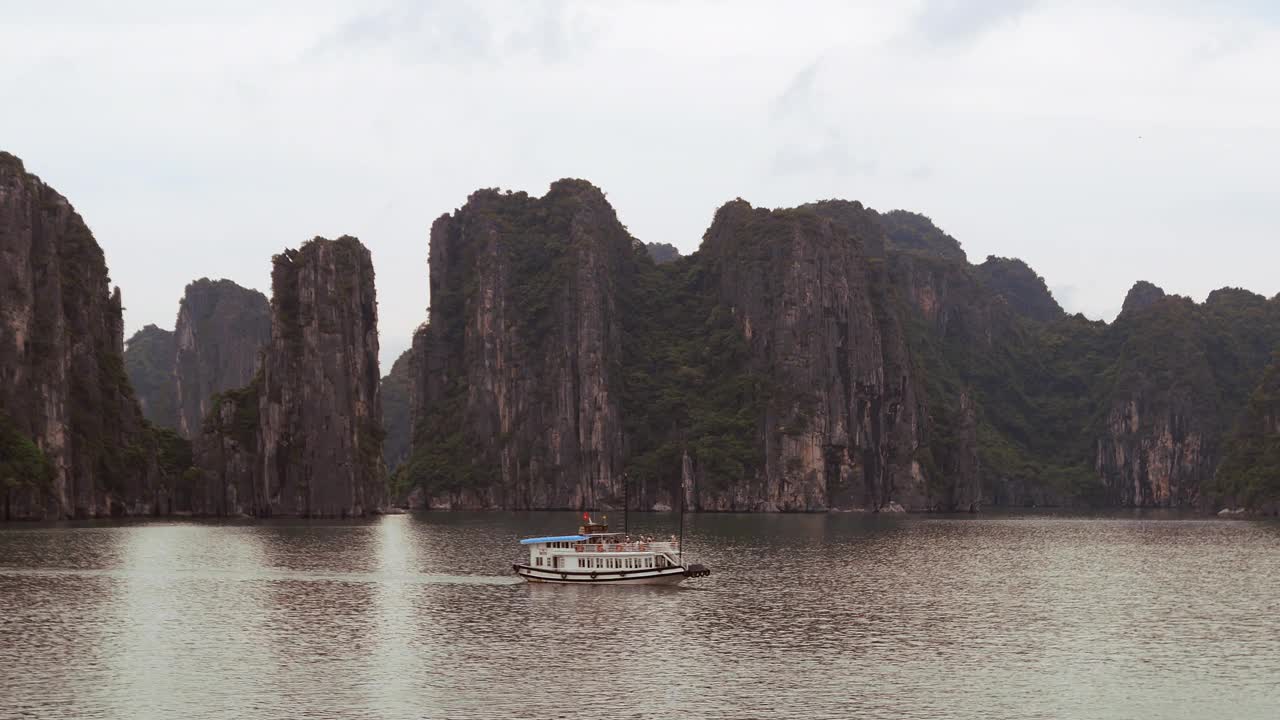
(149, 362)
(395, 389)
(842, 425)
(516, 404)
(769, 371)
(822, 357)
(304, 438)
(221, 330)
(63, 386)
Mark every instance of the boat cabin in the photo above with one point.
(598, 550)
(596, 555)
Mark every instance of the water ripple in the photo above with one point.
(813, 616)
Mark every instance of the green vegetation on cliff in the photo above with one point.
(686, 377)
(662, 252)
(912, 232)
(396, 387)
(1020, 286)
(1249, 475)
(954, 374)
(22, 462)
(536, 241)
(149, 361)
(243, 422)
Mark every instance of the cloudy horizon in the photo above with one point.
(1101, 143)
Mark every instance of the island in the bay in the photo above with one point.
(823, 357)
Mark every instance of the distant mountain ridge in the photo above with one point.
(821, 357)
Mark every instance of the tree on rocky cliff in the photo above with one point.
(1249, 475)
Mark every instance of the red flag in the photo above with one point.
(586, 516)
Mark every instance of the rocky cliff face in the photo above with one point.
(221, 330)
(810, 296)
(149, 362)
(396, 387)
(516, 401)
(822, 357)
(1182, 375)
(304, 438)
(63, 387)
(769, 371)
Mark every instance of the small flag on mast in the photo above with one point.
(586, 516)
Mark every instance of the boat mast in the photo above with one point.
(626, 497)
(680, 551)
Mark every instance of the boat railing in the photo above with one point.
(654, 547)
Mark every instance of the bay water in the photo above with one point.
(1134, 615)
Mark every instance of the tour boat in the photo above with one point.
(596, 555)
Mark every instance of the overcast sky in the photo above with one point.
(1101, 142)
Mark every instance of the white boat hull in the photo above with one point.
(655, 576)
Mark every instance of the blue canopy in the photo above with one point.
(557, 538)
